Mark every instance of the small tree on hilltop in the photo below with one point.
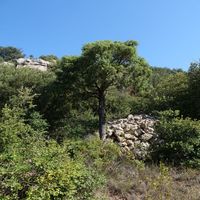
(10, 53)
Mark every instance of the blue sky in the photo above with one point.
(168, 31)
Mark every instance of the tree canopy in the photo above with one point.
(10, 53)
(104, 64)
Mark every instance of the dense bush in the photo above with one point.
(179, 140)
(171, 92)
(118, 104)
(96, 153)
(33, 168)
(43, 170)
(76, 124)
(11, 79)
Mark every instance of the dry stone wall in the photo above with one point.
(135, 133)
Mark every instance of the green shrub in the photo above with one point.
(43, 170)
(94, 152)
(33, 168)
(121, 104)
(76, 125)
(11, 79)
(179, 140)
(118, 104)
(141, 105)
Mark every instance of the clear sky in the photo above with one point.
(168, 31)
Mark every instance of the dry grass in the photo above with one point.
(130, 181)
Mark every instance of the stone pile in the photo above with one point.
(33, 63)
(135, 133)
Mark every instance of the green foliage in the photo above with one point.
(141, 105)
(11, 79)
(102, 65)
(160, 73)
(14, 122)
(10, 53)
(61, 160)
(171, 93)
(32, 168)
(43, 170)
(119, 104)
(67, 179)
(140, 78)
(179, 140)
(95, 153)
(36, 121)
(1, 60)
(50, 58)
(75, 125)
(106, 61)
(194, 90)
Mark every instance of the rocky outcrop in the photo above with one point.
(134, 133)
(33, 63)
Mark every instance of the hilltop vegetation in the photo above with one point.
(49, 146)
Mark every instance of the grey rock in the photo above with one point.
(129, 136)
(130, 143)
(144, 145)
(110, 132)
(126, 148)
(120, 139)
(116, 127)
(122, 144)
(119, 132)
(150, 130)
(39, 64)
(127, 127)
(137, 117)
(130, 117)
(137, 133)
(146, 136)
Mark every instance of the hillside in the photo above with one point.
(104, 125)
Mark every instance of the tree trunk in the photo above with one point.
(101, 116)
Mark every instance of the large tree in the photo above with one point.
(102, 64)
